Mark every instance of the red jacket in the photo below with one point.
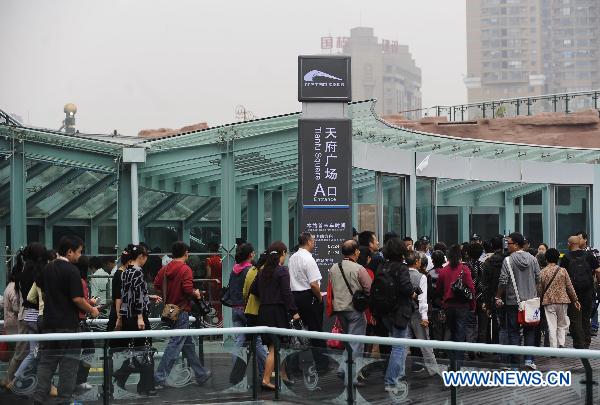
(180, 285)
(446, 277)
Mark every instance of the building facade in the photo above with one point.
(521, 48)
(384, 70)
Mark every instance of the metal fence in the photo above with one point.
(347, 392)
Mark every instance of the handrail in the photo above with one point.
(462, 346)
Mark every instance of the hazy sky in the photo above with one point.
(137, 64)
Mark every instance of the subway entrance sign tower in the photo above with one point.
(325, 154)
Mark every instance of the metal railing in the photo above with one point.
(512, 107)
(584, 355)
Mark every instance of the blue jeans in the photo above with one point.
(176, 345)
(238, 320)
(395, 369)
(510, 333)
(457, 319)
(29, 364)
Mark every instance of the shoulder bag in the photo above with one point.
(529, 311)
(170, 312)
(360, 299)
(461, 291)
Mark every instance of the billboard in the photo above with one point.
(324, 78)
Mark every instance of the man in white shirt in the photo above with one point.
(418, 326)
(305, 283)
(100, 282)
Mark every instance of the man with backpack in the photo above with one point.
(581, 266)
(584, 246)
(391, 300)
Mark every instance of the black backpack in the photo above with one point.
(384, 297)
(580, 272)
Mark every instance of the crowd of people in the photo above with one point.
(48, 293)
(474, 292)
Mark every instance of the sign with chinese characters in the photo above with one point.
(324, 78)
(325, 158)
(325, 148)
(330, 228)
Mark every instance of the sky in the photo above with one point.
(136, 64)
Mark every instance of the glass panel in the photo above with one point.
(447, 219)
(394, 209)
(425, 208)
(364, 199)
(572, 207)
(485, 221)
(533, 226)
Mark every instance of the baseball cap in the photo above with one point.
(475, 236)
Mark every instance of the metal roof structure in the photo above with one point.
(58, 179)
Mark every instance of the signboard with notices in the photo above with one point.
(324, 78)
(325, 160)
(325, 148)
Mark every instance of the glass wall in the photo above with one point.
(533, 225)
(394, 204)
(426, 208)
(572, 212)
(364, 200)
(485, 221)
(447, 225)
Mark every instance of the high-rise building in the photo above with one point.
(384, 70)
(518, 48)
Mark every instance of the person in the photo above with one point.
(581, 266)
(423, 245)
(244, 256)
(214, 271)
(272, 287)
(63, 299)
(596, 300)
(305, 284)
(408, 243)
(100, 283)
(479, 319)
(179, 290)
(134, 314)
(490, 275)
(374, 328)
(520, 269)
(397, 320)
(35, 257)
(87, 346)
(418, 325)
(556, 293)
(441, 246)
(369, 239)
(542, 248)
(252, 304)
(11, 303)
(437, 316)
(346, 278)
(389, 235)
(456, 308)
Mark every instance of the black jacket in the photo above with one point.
(490, 277)
(405, 288)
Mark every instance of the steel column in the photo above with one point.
(464, 223)
(256, 218)
(412, 203)
(124, 209)
(227, 216)
(595, 237)
(18, 207)
(509, 214)
(280, 219)
(135, 230)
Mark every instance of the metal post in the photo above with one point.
(227, 216)
(254, 368)
(483, 109)
(277, 371)
(124, 221)
(135, 231)
(453, 389)
(595, 98)
(349, 379)
(529, 106)
(554, 102)
(107, 371)
(493, 110)
(589, 382)
(18, 209)
(518, 106)
(567, 103)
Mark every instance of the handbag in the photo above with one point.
(529, 311)
(360, 299)
(461, 291)
(334, 343)
(170, 312)
(298, 342)
(139, 359)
